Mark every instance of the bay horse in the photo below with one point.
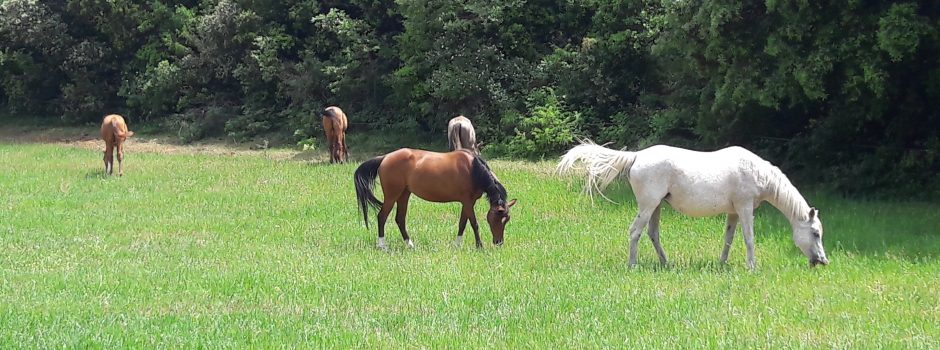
(335, 123)
(114, 132)
(732, 181)
(457, 176)
(460, 135)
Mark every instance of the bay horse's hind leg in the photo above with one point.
(400, 214)
(391, 192)
(382, 216)
(654, 234)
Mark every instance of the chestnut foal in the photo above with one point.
(114, 132)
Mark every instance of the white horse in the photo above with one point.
(733, 181)
(460, 135)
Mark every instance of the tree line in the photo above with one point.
(841, 93)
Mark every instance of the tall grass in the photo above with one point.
(236, 251)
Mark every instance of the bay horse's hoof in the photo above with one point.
(381, 245)
(410, 244)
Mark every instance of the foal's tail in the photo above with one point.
(364, 178)
(603, 164)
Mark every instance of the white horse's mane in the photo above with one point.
(783, 194)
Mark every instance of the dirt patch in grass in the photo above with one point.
(89, 138)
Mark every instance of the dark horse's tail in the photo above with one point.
(365, 181)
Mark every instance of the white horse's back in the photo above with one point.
(697, 183)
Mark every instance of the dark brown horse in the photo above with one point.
(114, 132)
(335, 123)
(457, 176)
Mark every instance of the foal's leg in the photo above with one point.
(654, 234)
(108, 158)
(400, 215)
(120, 157)
(636, 229)
(730, 226)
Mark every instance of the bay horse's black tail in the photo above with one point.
(364, 178)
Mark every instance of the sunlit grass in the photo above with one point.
(218, 251)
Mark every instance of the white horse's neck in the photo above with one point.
(785, 197)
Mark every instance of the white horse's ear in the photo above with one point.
(813, 213)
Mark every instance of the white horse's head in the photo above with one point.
(807, 235)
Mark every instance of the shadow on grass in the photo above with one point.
(98, 174)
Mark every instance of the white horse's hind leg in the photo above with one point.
(636, 229)
(654, 234)
(730, 227)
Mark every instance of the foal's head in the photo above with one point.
(807, 235)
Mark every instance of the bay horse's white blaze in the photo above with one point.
(730, 181)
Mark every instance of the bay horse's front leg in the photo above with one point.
(467, 212)
(463, 225)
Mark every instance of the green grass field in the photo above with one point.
(194, 250)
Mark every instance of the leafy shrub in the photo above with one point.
(547, 130)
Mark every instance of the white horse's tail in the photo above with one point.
(603, 164)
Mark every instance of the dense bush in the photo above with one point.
(841, 93)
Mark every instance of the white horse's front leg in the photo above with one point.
(636, 229)
(730, 227)
(747, 229)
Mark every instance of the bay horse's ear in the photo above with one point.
(511, 203)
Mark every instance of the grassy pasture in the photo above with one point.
(216, 250)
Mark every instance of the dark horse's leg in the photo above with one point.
(467, 214)
(462, 226)
(383, 215)
(400, 215)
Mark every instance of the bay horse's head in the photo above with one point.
(497, 217)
